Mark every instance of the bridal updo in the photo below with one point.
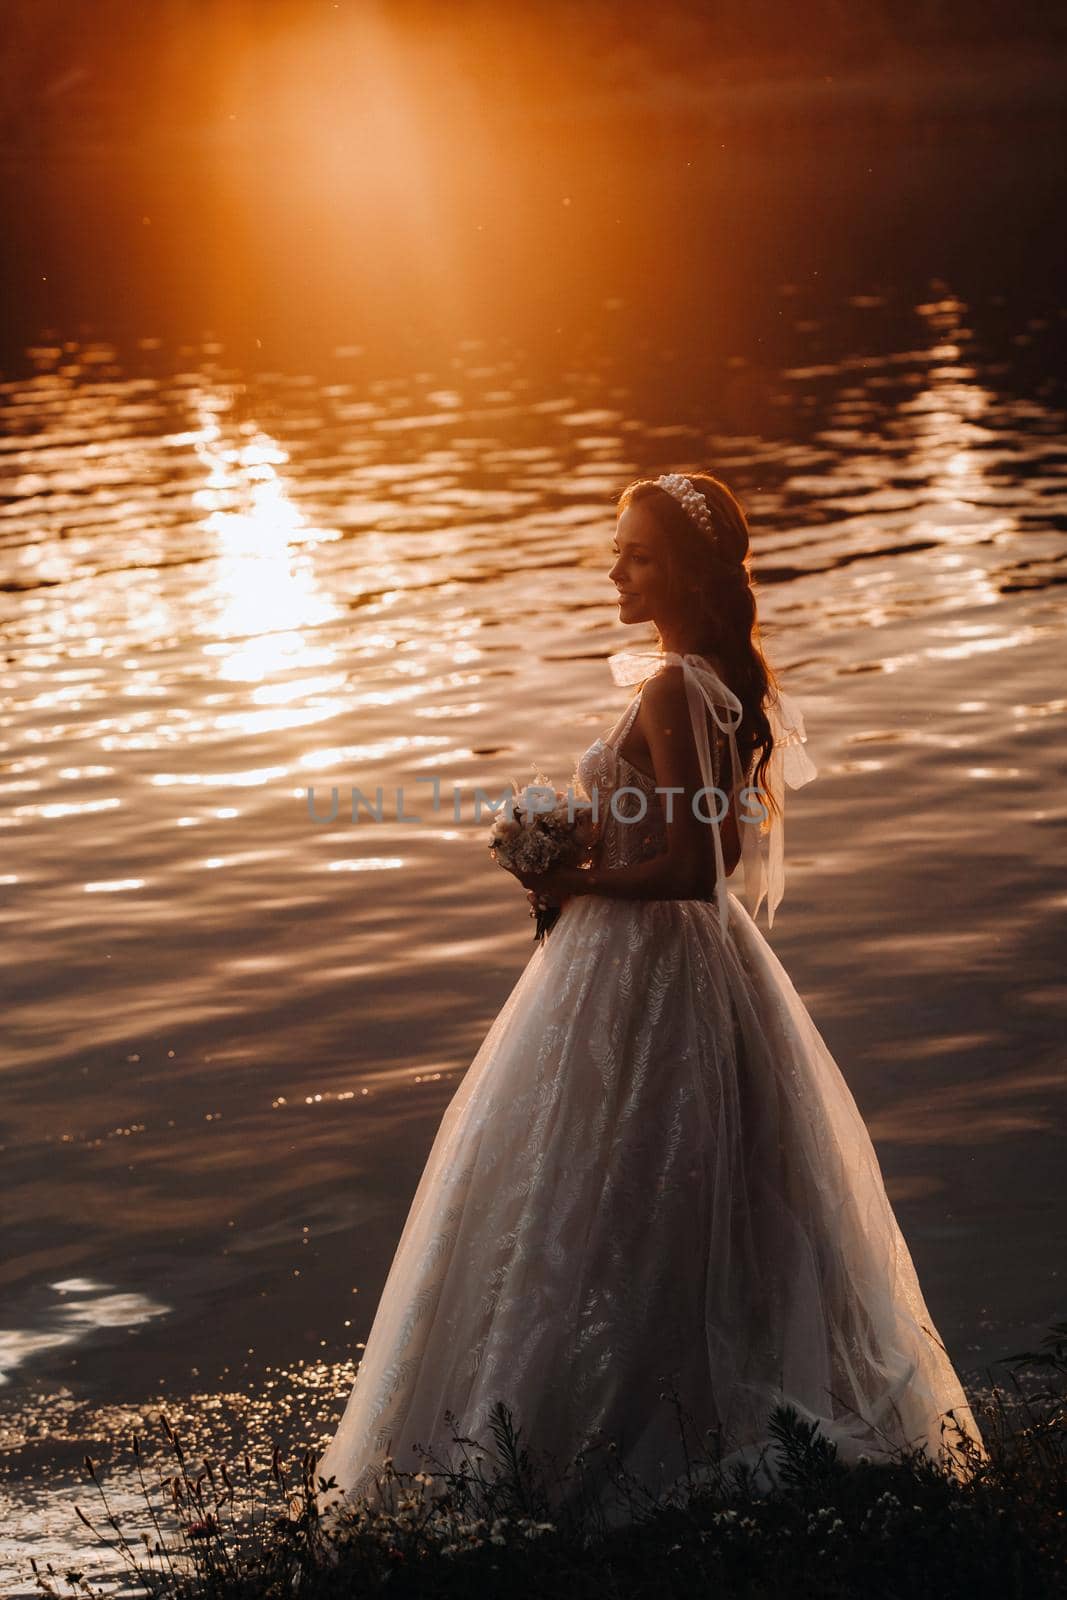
(709, 580)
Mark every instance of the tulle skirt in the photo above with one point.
(653, 1180)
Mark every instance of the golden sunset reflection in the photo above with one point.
(936, 445)
(260, 587)
(79, 1304)
(74, 808)
(241, 780)
(366, 864)
(950, 417)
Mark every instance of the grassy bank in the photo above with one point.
(497, 1523)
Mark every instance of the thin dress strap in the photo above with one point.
(619, 736)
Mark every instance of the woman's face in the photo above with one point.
(640, 569)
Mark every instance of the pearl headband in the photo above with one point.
(690, 498)
(693, 502)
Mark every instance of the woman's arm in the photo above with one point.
(686, 870)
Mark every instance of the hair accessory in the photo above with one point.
(692, 501)
(689, 498)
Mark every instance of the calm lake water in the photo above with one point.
(230, 1031)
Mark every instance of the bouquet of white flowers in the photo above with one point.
(546, 828)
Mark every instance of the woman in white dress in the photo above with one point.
(653, 1175)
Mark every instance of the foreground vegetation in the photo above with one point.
(498, 1524)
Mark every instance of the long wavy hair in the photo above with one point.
(709, 579)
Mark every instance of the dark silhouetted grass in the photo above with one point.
(495, 1522)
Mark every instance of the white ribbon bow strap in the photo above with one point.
(789, 764)
(763, 855)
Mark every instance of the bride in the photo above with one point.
(653, 1175)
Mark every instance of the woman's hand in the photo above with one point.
(553, 888)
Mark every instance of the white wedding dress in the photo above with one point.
(653, 1175)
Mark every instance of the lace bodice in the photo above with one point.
(635, 829)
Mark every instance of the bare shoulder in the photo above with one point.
(664, 703)
(665, 692)
(664, 713)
